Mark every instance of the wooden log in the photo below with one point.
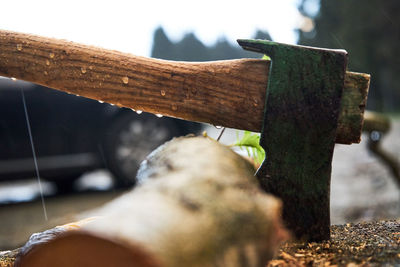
(230, 93)
(197, 204)
(107, 251)
(8, 258)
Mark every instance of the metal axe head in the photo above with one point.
(298, 133)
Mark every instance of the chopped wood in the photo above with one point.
(197, 204)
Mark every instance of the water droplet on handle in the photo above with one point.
(19, 47)
(162, 92)
(47, 62)
(83, 70)
(125, 80)
(51, 55)
(174, 107)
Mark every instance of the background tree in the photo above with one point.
(369, 31)
(192, 49)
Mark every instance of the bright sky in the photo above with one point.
(128, 26)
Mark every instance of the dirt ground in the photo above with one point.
(362, 190)
(351, 245)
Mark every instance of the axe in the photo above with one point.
(303, 101)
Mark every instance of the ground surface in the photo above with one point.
(362, 187)
(364, 244)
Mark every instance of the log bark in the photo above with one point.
(197, 204)
(229, 93)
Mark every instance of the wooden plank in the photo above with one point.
(228, 93)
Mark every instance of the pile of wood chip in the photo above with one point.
(364, 244)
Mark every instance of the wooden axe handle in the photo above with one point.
(229, 93)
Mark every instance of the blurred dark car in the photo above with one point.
(73, 135)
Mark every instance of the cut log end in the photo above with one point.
(78, 248)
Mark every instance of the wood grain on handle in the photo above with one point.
(229, 93)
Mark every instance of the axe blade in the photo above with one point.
(298, 133)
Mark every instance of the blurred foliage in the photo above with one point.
(190, 48)
(370, 32)
(251, 143)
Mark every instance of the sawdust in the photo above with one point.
(362, 244)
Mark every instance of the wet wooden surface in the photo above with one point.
(229, 93)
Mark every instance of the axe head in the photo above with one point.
(298, 133)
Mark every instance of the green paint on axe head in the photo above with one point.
(298, 133)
